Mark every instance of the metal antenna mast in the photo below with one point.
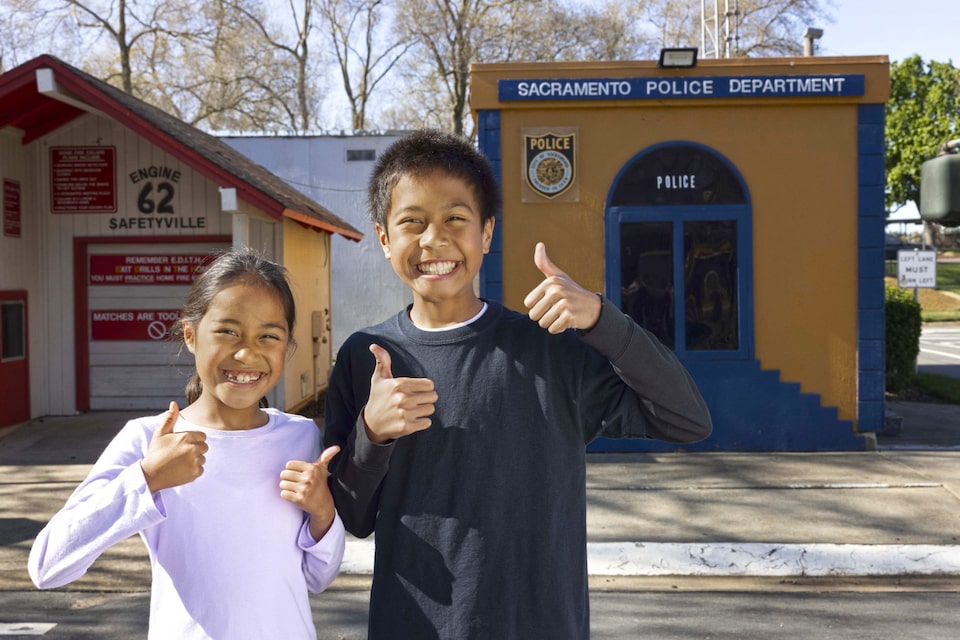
(710, 29)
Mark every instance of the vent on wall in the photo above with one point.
(361, 155)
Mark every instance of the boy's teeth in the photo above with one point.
(437, 268)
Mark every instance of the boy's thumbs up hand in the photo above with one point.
(558, 303)
(397, 406)
(381, 370)
(173, 458)
(305, 484)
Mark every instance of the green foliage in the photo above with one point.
(921, 115)
(903, 326)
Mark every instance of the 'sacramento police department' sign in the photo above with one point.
(819, 85)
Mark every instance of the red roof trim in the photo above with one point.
(90, 94)
(306, 220)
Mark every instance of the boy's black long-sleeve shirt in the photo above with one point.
(480, 521)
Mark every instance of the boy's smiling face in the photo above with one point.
(435, 241)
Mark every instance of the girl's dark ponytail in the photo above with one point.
(194, 389)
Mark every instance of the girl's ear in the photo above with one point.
(189, 335)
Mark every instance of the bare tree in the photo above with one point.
(354, 27)
(125, 24)
(223, 75)
(296, 46)
(251, 65)
(17, 32)
(452, 34)
(757, 28)
(447, 34)
(537, 31)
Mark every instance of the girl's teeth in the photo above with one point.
(243, 378)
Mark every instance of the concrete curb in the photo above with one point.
(741, 559)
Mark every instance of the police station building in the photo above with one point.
(734, 208)
(110, 209)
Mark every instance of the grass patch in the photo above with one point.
(939, 316)
(948, 276)
(943, 388)
(936, 305)
(929, 387)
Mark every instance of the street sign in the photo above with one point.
(917, 268)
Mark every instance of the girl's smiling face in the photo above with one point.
(435, 240)
(240, 345)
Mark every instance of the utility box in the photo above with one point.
(940, 190)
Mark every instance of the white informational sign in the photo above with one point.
(916, 268)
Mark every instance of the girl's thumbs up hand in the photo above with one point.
(173, 458)
(305, 484)
(396, 406)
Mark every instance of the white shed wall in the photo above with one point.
(20, 264)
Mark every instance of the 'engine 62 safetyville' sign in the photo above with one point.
(550, 164)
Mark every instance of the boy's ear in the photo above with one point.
(488, 233)
(384, 240)
(189, 335)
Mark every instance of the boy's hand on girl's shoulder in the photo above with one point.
(396, 406)
(173, 458)
(558, 303)
(305, 484)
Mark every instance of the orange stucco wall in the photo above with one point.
(798, 159)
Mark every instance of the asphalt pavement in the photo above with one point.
(892, 511)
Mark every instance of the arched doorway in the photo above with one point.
(678, 243)
(678, 246)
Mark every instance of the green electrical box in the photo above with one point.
(940, 190)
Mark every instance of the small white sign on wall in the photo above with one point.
(917, 268)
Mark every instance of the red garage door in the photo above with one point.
(134, 293)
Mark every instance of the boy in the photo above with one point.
(463, 424)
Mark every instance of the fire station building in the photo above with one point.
(110, 208)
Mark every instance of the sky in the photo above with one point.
(898, 29)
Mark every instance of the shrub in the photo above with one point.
(903, 323)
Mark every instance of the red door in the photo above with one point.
(14, 363)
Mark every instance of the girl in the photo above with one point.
(233, 552)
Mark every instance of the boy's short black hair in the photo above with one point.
(423, 152)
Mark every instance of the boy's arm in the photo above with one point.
(357, 472)
(677, 411)
(356, 477)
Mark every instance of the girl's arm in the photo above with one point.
(110, 505)
(321, 559)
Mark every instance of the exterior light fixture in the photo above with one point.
(810, 36)
(678, 57)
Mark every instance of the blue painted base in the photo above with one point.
(753, 410)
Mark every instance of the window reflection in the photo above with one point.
(12, 331)
(710, 285)
(646, 277)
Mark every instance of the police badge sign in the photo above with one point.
(550, 164)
